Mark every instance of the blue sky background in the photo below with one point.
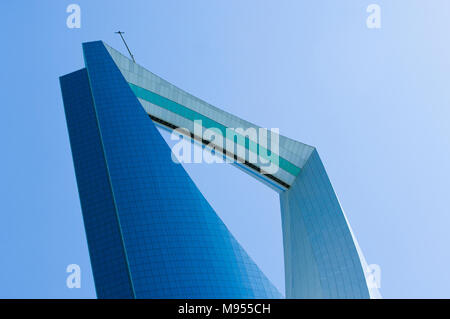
(376, 104)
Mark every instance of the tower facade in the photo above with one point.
(150, 231)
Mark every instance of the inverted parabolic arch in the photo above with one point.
(152, 234)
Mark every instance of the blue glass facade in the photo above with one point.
(321, 260)
(151, 233)
(108, 260)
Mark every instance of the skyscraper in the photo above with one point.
(150, 231)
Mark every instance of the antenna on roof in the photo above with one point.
(120, 33)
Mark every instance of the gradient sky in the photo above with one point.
(375, 103)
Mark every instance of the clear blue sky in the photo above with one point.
(376, 104)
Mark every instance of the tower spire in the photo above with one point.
(120, 33)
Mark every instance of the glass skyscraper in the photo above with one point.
(150, 231)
